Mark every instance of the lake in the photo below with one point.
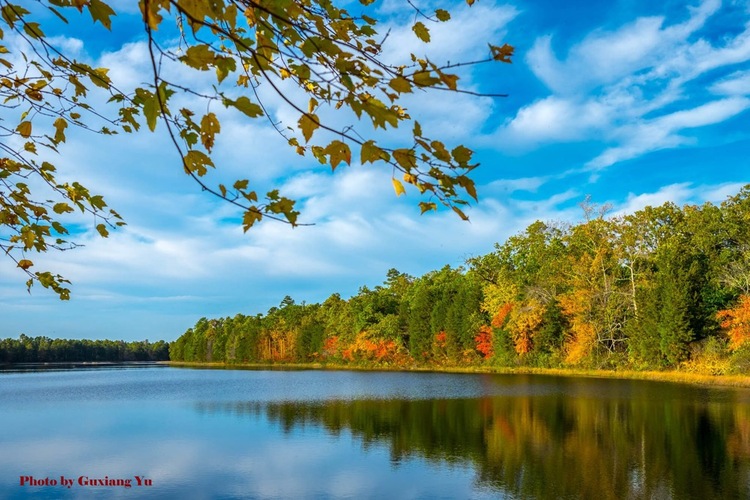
(160, 432)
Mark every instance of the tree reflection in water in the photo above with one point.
(550, 445)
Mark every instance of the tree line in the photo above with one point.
(664, 287)
(46, 350)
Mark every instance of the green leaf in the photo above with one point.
(33, 30)
(421, 31)
(150, 106)
(246, 106)
(102, 229)
(200, 57)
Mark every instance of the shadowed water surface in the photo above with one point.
(317, 434)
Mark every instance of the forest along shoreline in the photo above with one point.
(672, 376)
(665, 289)
(660, 294)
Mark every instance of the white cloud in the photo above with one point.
(463, 38)
(184, 254)
(663, 132)
(554, 119)
(675, 193)
(506, 186)
(605, 57)
(736, 84)
(631, 88)
(679, 194)
(601, 58)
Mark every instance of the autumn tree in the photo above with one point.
(736, 322)
(315, 57)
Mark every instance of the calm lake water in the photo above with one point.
(316, 434)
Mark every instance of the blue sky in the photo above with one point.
(632, 102)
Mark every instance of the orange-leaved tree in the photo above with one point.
(736, 322)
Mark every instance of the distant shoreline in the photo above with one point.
(672, 376)
(52, 365)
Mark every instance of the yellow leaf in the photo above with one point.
(308, 123)
(461, 154)
(101, 12)
(60, 125)
(200, 57)
(442, 15)
(210, 126)
(246, 106)
(503, 53)
(405, 158)
(460, 213)
(400, 84)
(426, 206)
(150, 13)
(25, 264)
(421, 31)
(449, 80)
(425, 79)
(370, 152)
(196, 162)
(398, 187)
(338, 152)
(24, 128)
(251, 217)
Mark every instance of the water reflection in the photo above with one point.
(550, 446)
(256, 434)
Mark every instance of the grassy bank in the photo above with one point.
(661, 376)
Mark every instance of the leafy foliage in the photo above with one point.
(736, 322)
(315, 57)
(27, 349)
(643, 291)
